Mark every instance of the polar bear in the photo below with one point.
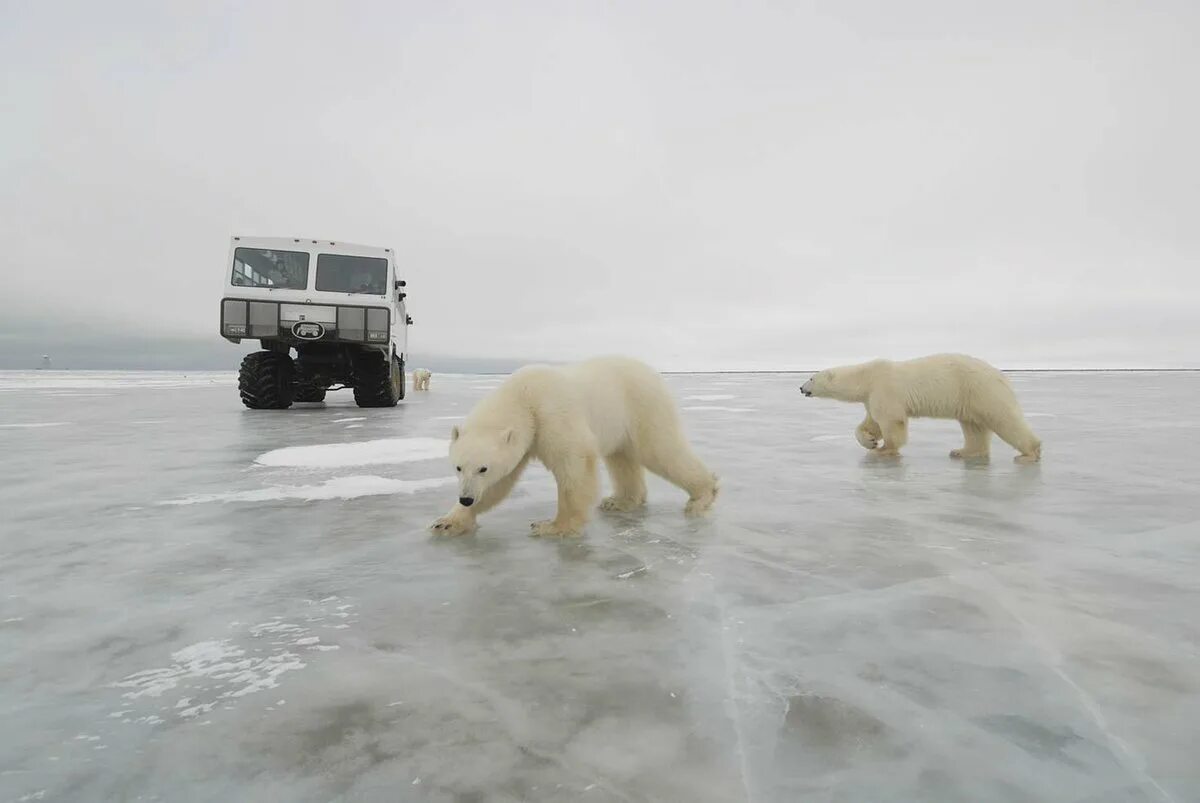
(940, 386)
(568, 417)
(421, 378)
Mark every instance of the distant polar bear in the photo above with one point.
(567, 417)
(421, 378)
(941, 386)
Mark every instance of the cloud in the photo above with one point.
(759, 186)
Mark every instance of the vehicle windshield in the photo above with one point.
(337, 273)
(261, 267)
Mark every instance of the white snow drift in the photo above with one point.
(364, 453)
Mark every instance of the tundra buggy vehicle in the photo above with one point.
(339, 307)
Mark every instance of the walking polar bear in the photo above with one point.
(941, 386)
(568, 417)
(421, 378)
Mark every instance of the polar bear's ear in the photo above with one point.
(454, 433)
(508, 435)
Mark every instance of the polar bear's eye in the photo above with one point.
(458, 468)
(483, 470)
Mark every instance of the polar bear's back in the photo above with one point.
(626, 400)
(953, 386)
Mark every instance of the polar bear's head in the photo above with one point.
(482, 456)
(846, 383)
(821, 384)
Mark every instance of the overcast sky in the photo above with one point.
(704, 185)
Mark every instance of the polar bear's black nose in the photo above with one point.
(466, 501)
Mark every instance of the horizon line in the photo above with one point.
(666, 373)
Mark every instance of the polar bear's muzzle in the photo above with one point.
(806, 388)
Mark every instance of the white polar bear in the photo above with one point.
(567, 417)
(421, 378)
(941, 386)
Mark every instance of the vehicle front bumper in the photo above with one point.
(304, 323)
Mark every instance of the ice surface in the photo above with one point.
(719, 407)
(843, 628)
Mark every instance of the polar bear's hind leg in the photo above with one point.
(684, 470)
(1013, 430)
(976, 442)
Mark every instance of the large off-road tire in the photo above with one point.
(265, 381)
(309, 391)
(378, 380)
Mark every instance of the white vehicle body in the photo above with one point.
(275, 309)
(338, 306)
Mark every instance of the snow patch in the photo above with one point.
(364, 453)
(91, 380)
(36, 426)
(210, 660)
(710, 397)
(718, 407)
(337, 488)
(75, 395)
(348, 420)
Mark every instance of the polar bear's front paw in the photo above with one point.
(451, 524)
(866, 439)
(621, 504)
(552, 529)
